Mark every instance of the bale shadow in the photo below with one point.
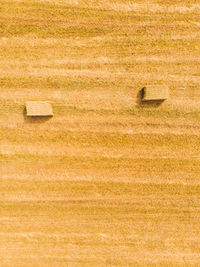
(35, 119)
(144, 103)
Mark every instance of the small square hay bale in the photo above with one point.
(38, 108)
(155, 92)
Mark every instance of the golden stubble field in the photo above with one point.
(104, 182)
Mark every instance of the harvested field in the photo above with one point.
(103, 182)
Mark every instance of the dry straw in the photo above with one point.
(155, 92)
(38, 108)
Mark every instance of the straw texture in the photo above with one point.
(38, 108)
(155, 92)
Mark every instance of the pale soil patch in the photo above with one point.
(127, 6)
(31, 94)
(169, 58)
(125, 124)
(87, 61)
(27, 174)
(59, 149)
(102, 72)
(55, 62)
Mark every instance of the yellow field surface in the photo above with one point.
(105, 182)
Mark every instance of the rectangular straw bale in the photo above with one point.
(38, 108)
(155, 92)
